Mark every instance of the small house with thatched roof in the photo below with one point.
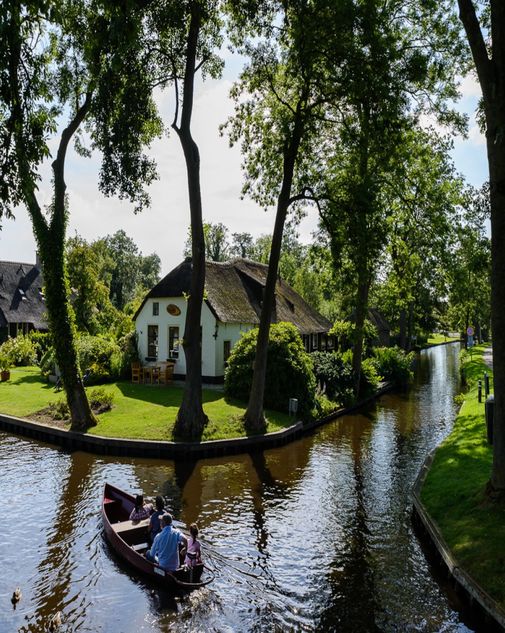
(22, 305)
(232, 305)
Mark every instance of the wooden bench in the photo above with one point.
(126, 526)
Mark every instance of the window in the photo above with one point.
(152, 341)
(226, 350)
(173, 342)
(156, 308)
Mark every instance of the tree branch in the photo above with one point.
(483, 64)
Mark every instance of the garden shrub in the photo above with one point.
(21, 350)
(100, 400)
(289, 370)
(58, 410)
(42, 342)
(324, 406)
(393, 364)
(100, 357)
(334, 376)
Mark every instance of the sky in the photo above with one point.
(163, 228)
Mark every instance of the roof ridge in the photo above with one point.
(7, 261)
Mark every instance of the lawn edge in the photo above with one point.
(163, 449)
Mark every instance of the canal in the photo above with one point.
(313, 536)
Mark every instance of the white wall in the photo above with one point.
(212, 347)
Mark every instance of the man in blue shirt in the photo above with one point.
(165, 547)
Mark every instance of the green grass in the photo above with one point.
(139, 411)
(437, 339)
(454, 491)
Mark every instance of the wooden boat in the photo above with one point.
(130, 540)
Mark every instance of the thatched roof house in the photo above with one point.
(22, 306)
(232, 305)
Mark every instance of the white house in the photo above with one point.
(232, 306)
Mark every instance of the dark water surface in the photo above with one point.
(312, 536)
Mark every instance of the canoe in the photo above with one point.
(130, 540)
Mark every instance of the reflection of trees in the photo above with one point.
(352, 605)
(55, 569)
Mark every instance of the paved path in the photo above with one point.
(488, 356)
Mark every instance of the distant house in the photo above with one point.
(232, 306)
(22, 306)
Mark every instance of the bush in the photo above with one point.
(334, 376)
(370, 377)
(100, 400)
(324, 406)
(21, 350)
(42, 342)
(100, 356)
(59, 410)
(289, 370)
(393, 364)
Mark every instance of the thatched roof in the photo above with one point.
(234, 293)
(21, 298)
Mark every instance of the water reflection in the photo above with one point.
(311, 536)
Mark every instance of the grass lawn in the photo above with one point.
(453, 492)
(437, 339)
(139, 411)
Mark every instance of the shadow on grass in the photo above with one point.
(31, 379)
(168, 396)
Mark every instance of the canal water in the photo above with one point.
(313, 536)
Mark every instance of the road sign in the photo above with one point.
(469, 331)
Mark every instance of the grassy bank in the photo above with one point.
(438, 339)
(139, 411)
(453, 492)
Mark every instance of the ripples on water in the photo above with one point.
(312, 536)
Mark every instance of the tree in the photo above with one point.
(489, 60)
(393, 73)
(55, 58)
(217, 247)
(422, 216)
(183, 37)
(242, 245)
(275, 121)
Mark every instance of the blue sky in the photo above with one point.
(163, 228)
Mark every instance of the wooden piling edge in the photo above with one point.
(475, 594)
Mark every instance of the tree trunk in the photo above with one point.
(491, 74)
(359, 326)
(254, 418)
(51, 242)
(403, 329)
(496, 157)
(191, 418)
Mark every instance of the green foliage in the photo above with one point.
(58, 410)
(100, 356)
(20, 350)
(393, 364)
(334, 376)
(345, 331)
(289, 369)
(42, 342)
(100, 400)
(324, 406)
(370, 376)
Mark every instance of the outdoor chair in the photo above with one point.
(166, 373)
(137, 372)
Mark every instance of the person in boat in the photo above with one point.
(194, 550)
(165, 548)
(141, 510)
(155, 520)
